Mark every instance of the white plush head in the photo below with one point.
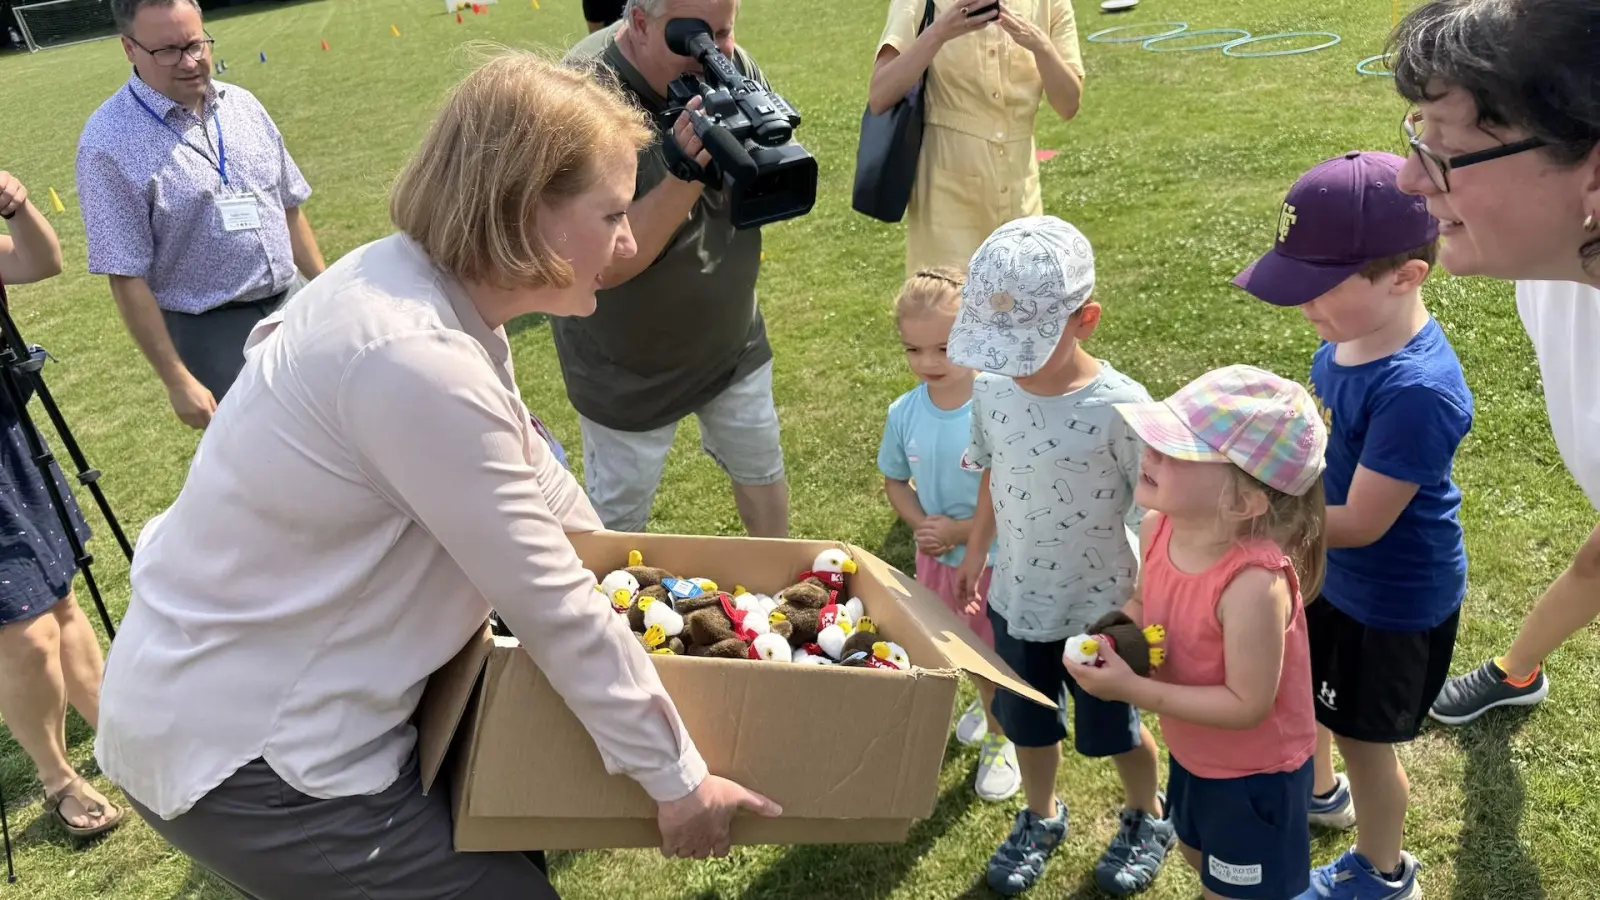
(772, 648)
(834, 560)
(619, 588)
(855, 609)
(1083, 650)
(892, 653)
(831, 640)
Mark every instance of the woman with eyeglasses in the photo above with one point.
(1505, 146)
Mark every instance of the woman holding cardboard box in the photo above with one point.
(368, 490)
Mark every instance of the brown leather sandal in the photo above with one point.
(92, 808)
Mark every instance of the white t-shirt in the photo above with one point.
(1563, 321)
(369, 489)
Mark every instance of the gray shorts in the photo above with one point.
(271, 842)
(738, 429)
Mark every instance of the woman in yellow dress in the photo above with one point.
(989, 64)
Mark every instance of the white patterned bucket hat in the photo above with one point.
(1023, 283)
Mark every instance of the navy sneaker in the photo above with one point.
(1351, 877)
(1137, 852)
(1469, 696)
(1019, 862)
(1337, 810)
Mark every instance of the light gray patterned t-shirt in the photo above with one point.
(1062, 471)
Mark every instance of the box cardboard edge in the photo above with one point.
(444, 702)
(935, 620)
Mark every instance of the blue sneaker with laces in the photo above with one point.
(1336, 810)
(1019, 862)
(1351, 877)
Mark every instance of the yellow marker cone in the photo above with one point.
(55, 201)
(535, 3)
(1396, 12)
(395, 31)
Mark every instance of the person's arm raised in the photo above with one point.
(451, 457)
(30, 252)
(657, 216)
(894, 73)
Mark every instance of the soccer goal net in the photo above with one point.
(57, 23)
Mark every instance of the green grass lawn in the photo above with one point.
(1175, 169)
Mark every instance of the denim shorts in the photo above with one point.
(1101, 727)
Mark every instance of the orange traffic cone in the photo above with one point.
(458, 18)
(324, 45)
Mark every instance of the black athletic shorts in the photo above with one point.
(1371, 684)
(603, 11)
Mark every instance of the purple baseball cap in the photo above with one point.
(1341, 215)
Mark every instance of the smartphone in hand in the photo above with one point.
(983, 10)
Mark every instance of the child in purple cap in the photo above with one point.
(1352, 252)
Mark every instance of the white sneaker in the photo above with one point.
(999, 776)
(972, 725)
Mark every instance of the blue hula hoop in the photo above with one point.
(1228, 50)
(1362, 67)
(1188, 34)
(1096, 37)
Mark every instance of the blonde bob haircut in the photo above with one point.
(519, 131)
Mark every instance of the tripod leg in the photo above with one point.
(88, 476)
(5, 829)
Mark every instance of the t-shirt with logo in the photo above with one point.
(924, 443)
(1061, 475)
(1402, 416)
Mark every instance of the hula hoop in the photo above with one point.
(1096, 37)
(1188, 34)
(1228, 50)
(1362, 67)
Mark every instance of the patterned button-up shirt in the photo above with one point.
(149, 191)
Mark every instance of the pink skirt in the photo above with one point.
(941, 579)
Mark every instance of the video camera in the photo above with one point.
(748, 130)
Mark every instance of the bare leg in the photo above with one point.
(1039, 766)
(764, 508)
(1140, 771)
(986, 693)
(1568, 605)
(1323, 779)
(82, 665)
(1379, 787)
(33, 700)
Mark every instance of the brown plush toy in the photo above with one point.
(645, 575)
(1137, 646)
(732, 648)
(808, 594)
(864, 636)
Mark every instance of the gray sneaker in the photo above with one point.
(1469, 696)
(1136, 854)
(1019, 862)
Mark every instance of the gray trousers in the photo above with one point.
(271, 842)
(211, 344)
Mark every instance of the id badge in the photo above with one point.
(240, 212)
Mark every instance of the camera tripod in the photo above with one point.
(21, 379)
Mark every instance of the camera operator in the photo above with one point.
(678, 329)
(49, 655)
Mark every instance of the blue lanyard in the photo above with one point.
(221, 165)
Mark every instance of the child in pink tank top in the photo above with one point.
(1231, 475)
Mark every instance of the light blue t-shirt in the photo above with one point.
(1061, 475)
(924, 443)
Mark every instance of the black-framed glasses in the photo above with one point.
(171, 56)
(1438, 167)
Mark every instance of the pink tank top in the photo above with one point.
(1186, 605)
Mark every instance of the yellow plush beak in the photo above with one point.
(620, 597)
(777, 617)
(1089, 647)
(881, 650)
(848, 567)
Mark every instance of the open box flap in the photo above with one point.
(445, 700)
(942, 626)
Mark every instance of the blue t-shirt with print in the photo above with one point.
(1402, 416)
(924, 443)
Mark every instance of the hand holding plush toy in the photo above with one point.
(1115, 631)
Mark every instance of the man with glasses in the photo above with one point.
(191, 204)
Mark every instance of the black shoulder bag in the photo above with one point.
(886, 156)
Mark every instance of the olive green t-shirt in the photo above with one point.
(666, 342)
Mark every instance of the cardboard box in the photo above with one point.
(851, 754)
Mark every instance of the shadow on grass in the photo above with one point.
(859, 871)
(899, 547)
(1492, 862)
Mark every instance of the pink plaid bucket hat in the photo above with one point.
(1263, 423)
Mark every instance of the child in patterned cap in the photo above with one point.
(1232, 476)
(1059, 466)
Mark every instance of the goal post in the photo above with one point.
(61, 23)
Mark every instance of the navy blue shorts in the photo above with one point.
(1100, 727)
(1252, 833)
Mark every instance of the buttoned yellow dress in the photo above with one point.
(977, 169)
